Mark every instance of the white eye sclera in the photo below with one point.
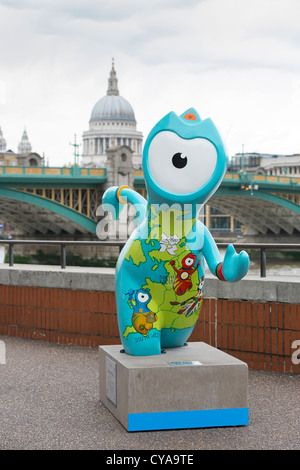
(181, 166)
(142, 297)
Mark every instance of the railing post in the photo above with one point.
(11, 254)
(63, 257)
(263, 262)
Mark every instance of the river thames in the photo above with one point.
(275, 267)
(281, 266)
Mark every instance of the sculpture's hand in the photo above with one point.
(235, 266)
(113, 201)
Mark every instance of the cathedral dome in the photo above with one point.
(112, 124)
(112, 107)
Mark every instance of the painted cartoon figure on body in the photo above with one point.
(142, 318)
(183, 279)
(160, 273)
(190, 305)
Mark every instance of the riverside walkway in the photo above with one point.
(49, 399)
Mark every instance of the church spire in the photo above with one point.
(2, 142)
(113, 81)
(24, 145)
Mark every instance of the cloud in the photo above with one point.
(100, 11)
(235, 60)
(211, 33)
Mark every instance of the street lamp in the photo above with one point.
(76, 154)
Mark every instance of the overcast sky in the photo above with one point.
(236, 61)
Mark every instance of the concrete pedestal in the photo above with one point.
(193, 386)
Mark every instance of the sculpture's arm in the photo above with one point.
(116, 197)
(172, 263)
(233, 268)
(130, 293)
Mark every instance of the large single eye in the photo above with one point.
(142, 297)
(181, 166)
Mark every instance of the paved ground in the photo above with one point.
(49, 400)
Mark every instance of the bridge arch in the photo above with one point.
(262, 212)
(35, 214)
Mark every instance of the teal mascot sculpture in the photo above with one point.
(160, 273)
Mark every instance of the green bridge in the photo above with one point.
(48, 200)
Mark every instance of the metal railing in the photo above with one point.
(262, 247)
(60, 243)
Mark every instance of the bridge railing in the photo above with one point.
(251, 177)
(257, 178)
(51, 171)
(62, 244)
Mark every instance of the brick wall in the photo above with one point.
(65, 316)
(259, 333)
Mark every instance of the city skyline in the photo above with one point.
(234, 61)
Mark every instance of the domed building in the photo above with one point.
(112, 124)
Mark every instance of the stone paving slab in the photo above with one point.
(49, 400)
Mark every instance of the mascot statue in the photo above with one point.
(160, 273)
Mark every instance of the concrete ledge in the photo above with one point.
(270, 289)
(98, 279)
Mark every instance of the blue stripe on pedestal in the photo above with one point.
(188, 419)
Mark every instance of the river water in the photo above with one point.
(275, 267)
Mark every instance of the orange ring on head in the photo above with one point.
(118, 194)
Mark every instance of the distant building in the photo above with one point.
(266, 164)
(24, 157)
(285, 166)
(112, 124)
(244, 160)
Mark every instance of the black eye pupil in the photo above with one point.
(179, 160)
